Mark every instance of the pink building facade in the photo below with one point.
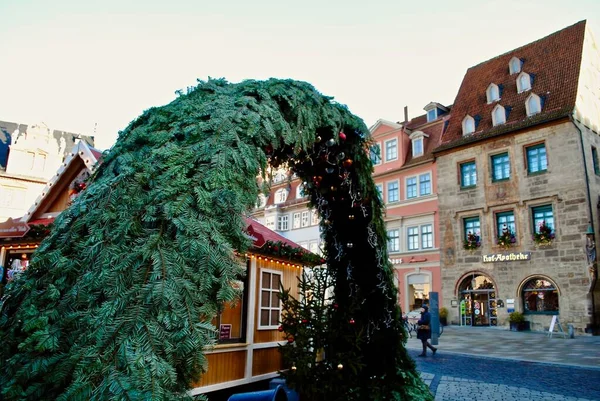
(405, 174)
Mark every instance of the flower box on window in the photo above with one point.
(544, 234)
(472, 242)
(507, 238)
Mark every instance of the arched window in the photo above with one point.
(468, 125)
(492, 93)
(533, 104)
(281, 196)
(498, 115)
(540, 295)
(514, 65)
(523, 82)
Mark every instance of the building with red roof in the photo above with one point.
(519, 186)
(406, 176)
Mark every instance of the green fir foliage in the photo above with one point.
(118, 300)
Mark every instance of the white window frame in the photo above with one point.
(262, 201)
(430, 184)
(520, 87)
(305, 220)
(492, 90)
(514, 65)
(283, 223)
(313, 247)
(465, 125)
(303, 244)
(435, 114)
(296, 220)
(299, 189)
(421, 233)
(314, 218)
(495, 121)
(379, 188)
(387, 187)
(386, 150)
(271, 291)
(280, 196)
(414, 141)
(270, 222)
(416, 177)
(535, 98)
(397, 240)
(408, 238)
(380, 153)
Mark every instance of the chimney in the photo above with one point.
(405, 115)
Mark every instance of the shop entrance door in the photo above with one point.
(479, 298)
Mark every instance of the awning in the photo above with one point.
(43, 222)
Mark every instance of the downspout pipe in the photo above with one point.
(589, 198)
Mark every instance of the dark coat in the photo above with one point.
(424, 335)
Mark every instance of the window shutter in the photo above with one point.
(500, 90)
(477, 119)
(507, 109)
(531, 79)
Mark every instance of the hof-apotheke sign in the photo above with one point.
(506, 257)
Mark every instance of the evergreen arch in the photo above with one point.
(117, 302)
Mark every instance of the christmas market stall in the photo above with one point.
(248, 330)
(20, 237)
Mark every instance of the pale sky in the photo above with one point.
(74, 64)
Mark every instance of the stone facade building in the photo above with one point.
(519, 185)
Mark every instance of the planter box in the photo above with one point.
(444, 321)
(523, 326)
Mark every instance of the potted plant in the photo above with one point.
(443, 316)
(472, 242)
(544, 234)
(506, 239)
(518, 322)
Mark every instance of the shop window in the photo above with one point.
(270, 304)
(537, 161)
(230, 322)
(418, 287)
(393, 192)
(411, 187)
(393, 240)
(540, 296)
(468, 174)
(500, 167)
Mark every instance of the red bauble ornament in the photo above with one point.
(347, 163)
(280, 328)
(290, 339)
(304, 321)
(342, 136)
(351, 321)
(335, 306)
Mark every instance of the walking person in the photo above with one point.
(424, 331)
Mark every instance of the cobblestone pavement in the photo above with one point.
(493, 364)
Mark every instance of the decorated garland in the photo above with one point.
(284, 251)
(118, 300)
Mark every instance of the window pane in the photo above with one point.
(543, 215)
(425, 184)
(595, 160)
(275, 299)
(540, 296)
(536, 159)
(468, 174)
(411, 187)
(276, 281)
(394, 241)
(265, 297)
(391, 150)
(506, 220)
(375, 154)
(393, 193)
(472, 226)
(501, 167)
(264, 317)
(427, 236)
(274, 317)
(266, 280)
(413, 238)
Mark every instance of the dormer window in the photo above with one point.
(299, 191)
(431, 115)
(281, 196)
(514, 65)
(533, 104)
(492, 93)
(498, 115)
(262, 201)
(523, 82)
(417, 147)
(468, 125)
(418, 143)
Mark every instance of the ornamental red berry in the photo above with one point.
(280, 328)
(352, 321)
(342, 136)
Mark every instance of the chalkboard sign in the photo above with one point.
(553, 323)
(224, 332)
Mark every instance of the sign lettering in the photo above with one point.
(506, 257)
